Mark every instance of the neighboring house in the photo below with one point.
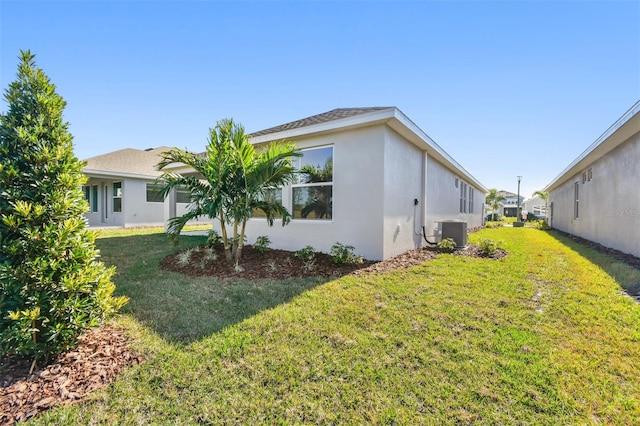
(597, 197)
(121, 190)
(509, 206)
(536, 206)
(383, 180)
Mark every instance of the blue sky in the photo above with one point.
(507, 88)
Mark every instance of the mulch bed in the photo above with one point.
(100, 356)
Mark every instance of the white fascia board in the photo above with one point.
(361, 120)
(116, 175)
(418, 137)
(619, 132)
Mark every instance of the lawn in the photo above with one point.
(542, 336)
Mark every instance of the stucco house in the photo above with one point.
(597, 197)
(535, 205)
(384, 180)
(121, 190)
(509, 206)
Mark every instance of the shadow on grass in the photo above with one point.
(183, 309)
(622, 267)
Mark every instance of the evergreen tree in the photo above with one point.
(51, 286)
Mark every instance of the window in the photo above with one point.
(463, 197)
(456, 183)
(94, 198)
(584, 177)
(576, 210)
(91, 195)
(153, 193)
(273, 195)
(589, 174)
(183, 195)
(471, 191)
(117, 197)
(312, 192)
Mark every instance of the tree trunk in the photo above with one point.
(241, 241)
(225, 239)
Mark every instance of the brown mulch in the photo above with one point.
(100, 356)
(280, 264)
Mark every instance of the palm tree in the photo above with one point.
(235, 179)
(493, 199)
(545, 196)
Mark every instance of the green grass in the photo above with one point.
(543, 336)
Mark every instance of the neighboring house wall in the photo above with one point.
(606, 208)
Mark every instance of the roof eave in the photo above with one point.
(623, 129)
(394, 118)
(116, 174)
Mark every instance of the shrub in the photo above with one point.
(307, 253)
(262, 243)
(52, 288)
(540, 224)
(447, 245)
(492, 225)
(343, 254)
(493, 217)
(213, 238)
(488, 246)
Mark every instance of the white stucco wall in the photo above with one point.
(403, 183)
(609, 204)
(443, 198)
(358, 182)
(136, 211)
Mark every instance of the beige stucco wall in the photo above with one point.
(609, 204)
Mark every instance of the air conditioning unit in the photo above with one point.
(454, 229)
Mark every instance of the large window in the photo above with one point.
(471, 194)
(312, 192)
(153, 193)
(117, 197)
(271, 196)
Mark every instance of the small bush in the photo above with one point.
(488, 246)
(493, 217)
(309, 265)
(213, 238)
(262, 244)
(447, 245)
(307, 253)
(540, 224)
(343, 254)
(492, 225)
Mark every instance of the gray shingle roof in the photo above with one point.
(128, 161)
(334, 114)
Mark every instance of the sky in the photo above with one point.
(507, 88)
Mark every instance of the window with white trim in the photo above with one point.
(312, 192)
(471, 194)
(117, 197)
